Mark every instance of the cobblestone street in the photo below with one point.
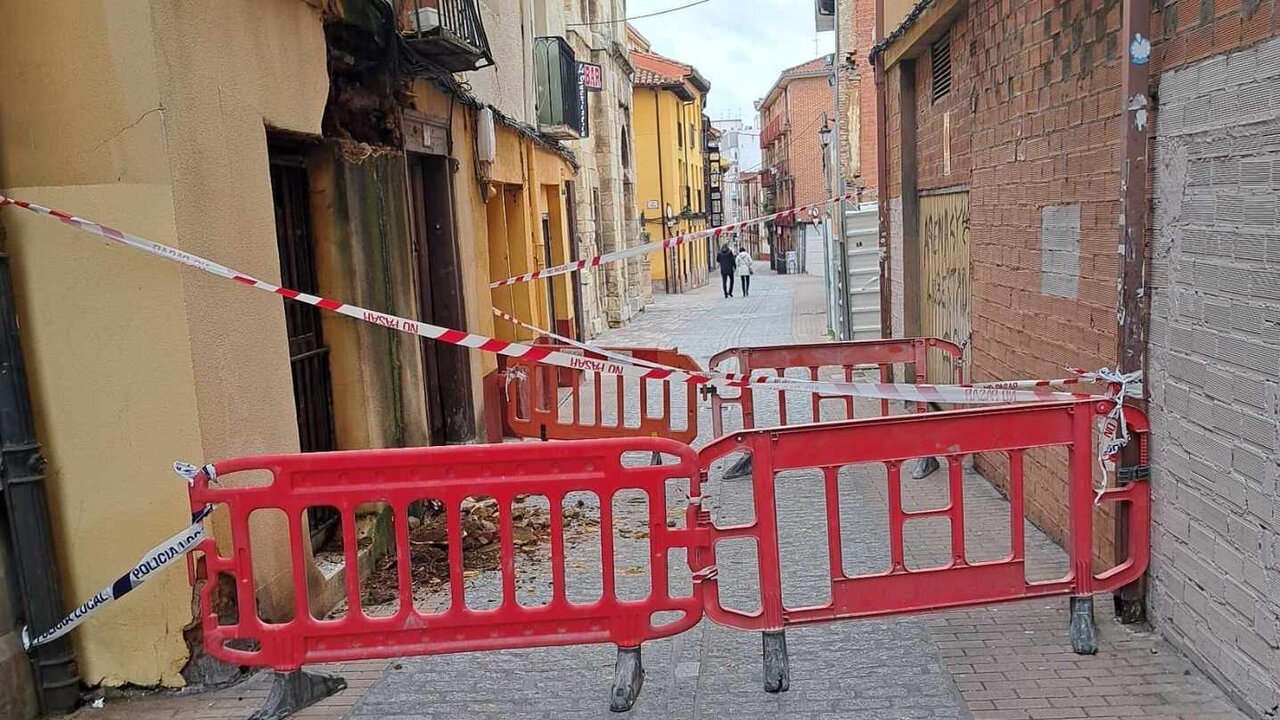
(1011, 661)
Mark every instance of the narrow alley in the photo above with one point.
(999, 662)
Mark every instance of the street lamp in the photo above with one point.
(825, 134)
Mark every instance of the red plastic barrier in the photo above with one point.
(891, 442)
(398, 478)
(813, 359)
(551, 403)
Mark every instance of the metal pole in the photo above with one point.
(882, 185)
(25, 502)
(845, 319)
(1133, 301)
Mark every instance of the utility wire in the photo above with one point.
(640, 17)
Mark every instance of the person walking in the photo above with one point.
(743, 265)
(727, 262)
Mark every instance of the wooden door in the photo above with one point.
(446, 368)
(944, 275)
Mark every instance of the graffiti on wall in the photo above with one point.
(944, 274)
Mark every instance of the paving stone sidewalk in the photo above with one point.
(1010, 661)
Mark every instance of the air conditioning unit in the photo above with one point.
(426, 19)
(824, 15)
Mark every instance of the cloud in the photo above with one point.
(740, 46)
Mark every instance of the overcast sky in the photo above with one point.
(740, 46)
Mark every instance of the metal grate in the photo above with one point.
(940, 63)
(308, 355)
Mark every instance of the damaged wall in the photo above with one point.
(150, 116)
(363, 256)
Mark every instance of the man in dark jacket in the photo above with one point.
(726, 259)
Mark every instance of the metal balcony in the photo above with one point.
(448, 33)
(561, 96)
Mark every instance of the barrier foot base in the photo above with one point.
(297, 690)
(740, 469)
(925, 467)
(628, 678)
(1084, 631)
(777, 667)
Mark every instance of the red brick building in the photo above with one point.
(1009, 126)
(791, 114)
(858, 95)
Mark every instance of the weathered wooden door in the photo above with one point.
(944, 275)
(446, 368)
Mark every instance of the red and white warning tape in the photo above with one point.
(1026, 390)
(551, 356)
(715, 233)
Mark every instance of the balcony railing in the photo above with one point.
(562, 98)
(771, 132)
(449, 33)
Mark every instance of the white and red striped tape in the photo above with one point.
(1026, 389)
(657, 245)
(551, 356)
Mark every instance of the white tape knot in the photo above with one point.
(710, 572)
(514, 375)
(1114, 428)
(188, 472)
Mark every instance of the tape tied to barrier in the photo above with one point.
(665, 244)
(549, 356)
(157, 559)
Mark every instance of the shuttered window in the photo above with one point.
(940, 62)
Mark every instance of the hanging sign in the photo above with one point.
(592, 76)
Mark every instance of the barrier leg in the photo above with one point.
(628, 678)
(1084, 631)
(777, 667)
(297, 690)
(925, 467)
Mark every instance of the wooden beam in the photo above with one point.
(931, 24)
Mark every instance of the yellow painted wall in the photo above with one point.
(501, 237)
(149, 115)
(660, 119)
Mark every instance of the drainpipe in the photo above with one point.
(1133, 302)
(22, 485)
(841, 245)
(882, 183)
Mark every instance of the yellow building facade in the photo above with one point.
(179, 122)
(668, 101)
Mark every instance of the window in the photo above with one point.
(940, 64)
(626, 149)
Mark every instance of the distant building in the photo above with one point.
(670, 97)
(791, 114)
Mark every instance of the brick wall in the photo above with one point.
(1030, 123)
(943, 164)
(809, 98)
(1214, 362)
(858, 94)
(1044, 87)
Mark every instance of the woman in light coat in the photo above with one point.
(742, 265)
